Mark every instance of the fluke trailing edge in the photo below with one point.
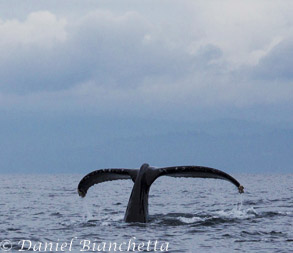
(137, 208)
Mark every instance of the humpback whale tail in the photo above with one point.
(137, 208)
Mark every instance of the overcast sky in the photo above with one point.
(161, 60)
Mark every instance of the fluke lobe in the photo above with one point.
(137, 208)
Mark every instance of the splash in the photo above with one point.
(190, 220)
(237, 213)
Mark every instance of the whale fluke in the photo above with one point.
(137, 208)
(104, 175)
(199, 172)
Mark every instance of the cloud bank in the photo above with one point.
(206, 55)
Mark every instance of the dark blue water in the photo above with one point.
(187, 215)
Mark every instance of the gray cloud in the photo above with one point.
(100, 47)
(137, 61)
(277, 65)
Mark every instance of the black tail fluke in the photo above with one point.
(104, 175)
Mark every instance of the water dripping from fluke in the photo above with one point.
(87, 214)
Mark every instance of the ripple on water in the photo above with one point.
(203, 220)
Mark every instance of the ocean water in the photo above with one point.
(44, 212)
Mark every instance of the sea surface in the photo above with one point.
(44, 212)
